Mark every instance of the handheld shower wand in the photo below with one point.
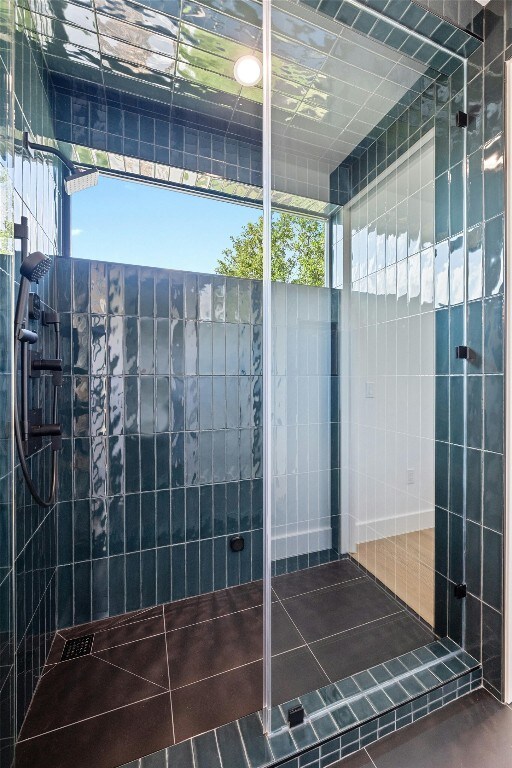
(33, 267)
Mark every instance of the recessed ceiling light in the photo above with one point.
(483, 2)
(248, 70)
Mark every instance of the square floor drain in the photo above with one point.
(77, 646)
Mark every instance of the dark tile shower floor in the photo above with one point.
(158, 676)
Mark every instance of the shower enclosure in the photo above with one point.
(264, 481)
(364, 123)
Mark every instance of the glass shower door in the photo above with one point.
(303, 378)
(363, 547)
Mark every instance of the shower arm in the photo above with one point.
(65, 201)
(28, 145)
(75, 180)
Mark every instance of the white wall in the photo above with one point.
(388, 462)
(301, 439)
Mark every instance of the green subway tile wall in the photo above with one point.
(7, 630)
(29, 187)
(162, 457)
(162, 448)
(37, 196)
(485, 267)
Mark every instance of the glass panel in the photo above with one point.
(391, 416)
(366, 427)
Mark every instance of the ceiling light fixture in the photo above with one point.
(248, 70)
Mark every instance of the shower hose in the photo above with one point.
(36, 494)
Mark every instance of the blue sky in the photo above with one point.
(136, 223)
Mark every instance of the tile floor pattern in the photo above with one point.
(190, 666)
(473, 732)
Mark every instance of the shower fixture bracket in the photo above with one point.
(33, 442)
(459, 591)
(461, 119)
(34, 306)
(33, 371)
(21, 230)
(237, 543)
(464, 353)
(37, 430)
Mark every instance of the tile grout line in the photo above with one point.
(358, 626)
(320, 589)
(289, 650)
(387, 591)
(218, 747)
(213, 618)
(168, 676)
(347, 582)
(372, 761)
(89, 627)
(128, 672)
(240, 735)
(92, 717)
(217, 674)
(20, 727)
(130, 642)
(305, 642)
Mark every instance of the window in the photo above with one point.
(135, 223)
(131, 222)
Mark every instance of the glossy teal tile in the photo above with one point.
(492, 569)
(474, 336)
(493, 334)
(442, 210)
(493, 494)
(474, 488)
(474, 411)
(493, 413)
(494, 185)
(457, 409)
(456, 200)
(475, 263)
(475, 188)
(441, 474)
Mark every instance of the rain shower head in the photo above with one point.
(76, 180)
(79, 180)
(35, 266)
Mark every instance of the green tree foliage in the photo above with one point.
(297, 251)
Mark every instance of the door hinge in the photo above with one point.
(296, 716)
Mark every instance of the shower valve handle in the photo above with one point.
(45, 430)
(43, 364)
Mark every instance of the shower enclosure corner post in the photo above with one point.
(507, 639)
(465, 342)
(267, 367)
